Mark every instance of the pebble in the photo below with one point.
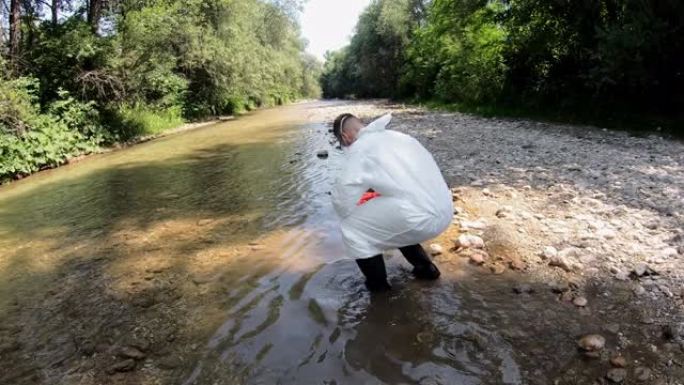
(559, 286)
(639, 290)
(673, 331)
(169, 363)
(121, 366)
(322, 154)
(436, 249)
(559, 261)
(606, 233)
(472, 225)
(477, 258)
(504, 212)
(549, 252)
(517, 264)
(497, 269)
(522, 289)
(642, 373)
(591, 342)
(204, 222)
(640, 269)
(569, 252)
(466, 241)
(616, 375)
(580, 301)
(131, 352)
(618, 361)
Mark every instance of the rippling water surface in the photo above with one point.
(295, 309)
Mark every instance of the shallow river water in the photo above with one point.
(227, 233)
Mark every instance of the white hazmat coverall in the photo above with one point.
(414, 203)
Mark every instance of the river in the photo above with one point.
(233, 221)
(213, 256)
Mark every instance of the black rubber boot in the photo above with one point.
(423, 268)
(373, 269)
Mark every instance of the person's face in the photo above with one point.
(350, 131)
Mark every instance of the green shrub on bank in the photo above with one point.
(31, 140)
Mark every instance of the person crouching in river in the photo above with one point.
(389, 194)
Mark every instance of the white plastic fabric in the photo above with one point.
(415, 203)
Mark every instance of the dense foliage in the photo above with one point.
(79, 74)
(604, 56)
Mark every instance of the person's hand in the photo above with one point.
(366, 197)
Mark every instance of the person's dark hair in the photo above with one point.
(337, 125)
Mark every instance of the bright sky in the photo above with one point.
(328, 24)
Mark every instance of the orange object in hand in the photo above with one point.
(367, 196)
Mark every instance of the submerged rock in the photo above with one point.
(616, 375)
(131, 352)
(618, 361)
(121, 366)
(642, 373)
(580, 301)
(592, 342)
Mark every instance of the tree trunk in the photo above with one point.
(14, 27)
(94, 13)
(54, 8)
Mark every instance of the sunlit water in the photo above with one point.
(300, 314)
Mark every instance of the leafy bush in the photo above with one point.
(31, 140)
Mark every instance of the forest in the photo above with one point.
(612, 59)
(77, 75)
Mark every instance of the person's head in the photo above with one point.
(346, 129)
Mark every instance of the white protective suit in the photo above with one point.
(414, 203)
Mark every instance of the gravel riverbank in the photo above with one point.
(580, 211)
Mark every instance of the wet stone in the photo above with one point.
(640, 270)
(642, 373)
(121, 366)
(616, 375)
(523, 289)
(169, 362)
(131, 352)
(591, 342)
(144, 300)
(559, 286)
(621, 276)
(618, 361)
(580, 301)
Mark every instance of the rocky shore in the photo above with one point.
(581, 215)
